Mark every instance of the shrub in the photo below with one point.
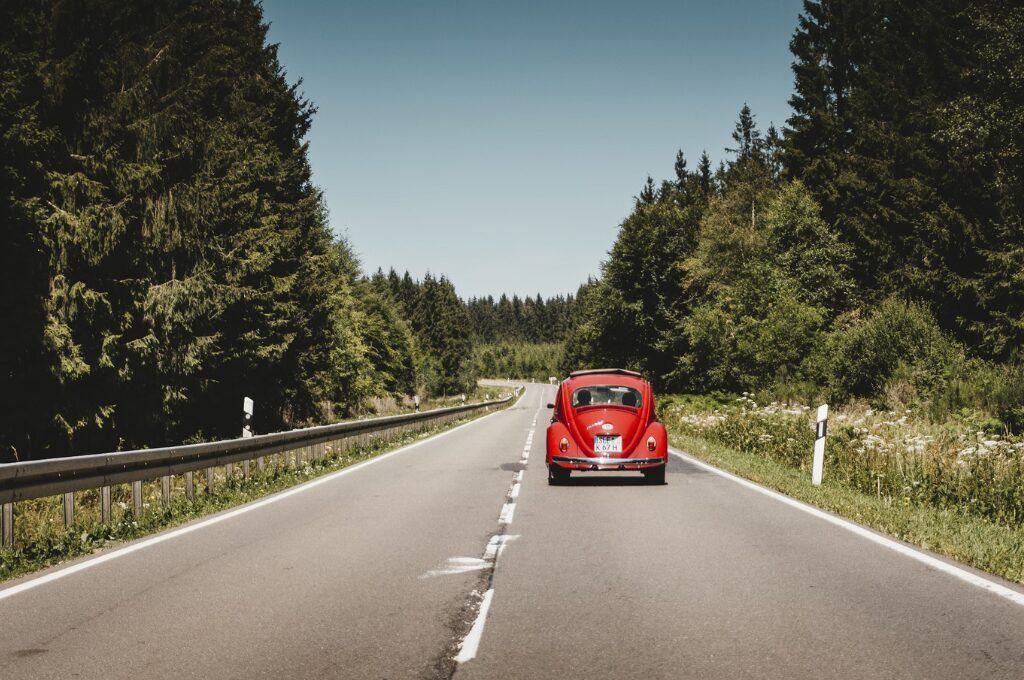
(913, 464)
(898, 340)
(752, 334)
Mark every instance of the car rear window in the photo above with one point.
(606, 395)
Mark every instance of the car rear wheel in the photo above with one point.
(557, 475)
(655, 475)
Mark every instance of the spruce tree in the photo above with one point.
(680, 169)
(647, 194)
(704, 174)
(176, 254)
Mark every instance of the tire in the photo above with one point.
(557, 475)
(655, 475)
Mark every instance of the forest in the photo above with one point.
(166, 252)
(870, 249)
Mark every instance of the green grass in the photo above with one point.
(955, 532)
(41, 539)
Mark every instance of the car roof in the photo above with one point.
(608, 371)
(602, 376)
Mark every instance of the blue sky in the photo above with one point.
(502, 143)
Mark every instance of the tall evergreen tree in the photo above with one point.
(746, 135)
(872, 82)
(647, 194)
(704, 174)
(178, 256)
(442, 324)
(680, 168)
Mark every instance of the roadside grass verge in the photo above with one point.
(969, 538)
(42, 540)
(387, 406)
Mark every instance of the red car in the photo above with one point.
(604, 420)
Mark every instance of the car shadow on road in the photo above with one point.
(604, 479)
(675, 467)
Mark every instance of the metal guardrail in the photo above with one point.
(64, 476)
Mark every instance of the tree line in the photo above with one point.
(870, 249)
(165, 251)
(522, 320)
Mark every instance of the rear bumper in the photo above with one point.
(585, 463)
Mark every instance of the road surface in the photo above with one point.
(384, 571)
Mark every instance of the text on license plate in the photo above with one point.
(606, 444)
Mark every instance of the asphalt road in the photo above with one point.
(377, 572)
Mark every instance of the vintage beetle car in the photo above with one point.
(604, 419)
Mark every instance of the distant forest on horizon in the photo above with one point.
(166, 252)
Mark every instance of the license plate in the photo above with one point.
(606, 444)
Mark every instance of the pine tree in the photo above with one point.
(984, 128)
(176, 254)
(773, 152)
(704, 175)
(681, 173)
(388, 338)
(746, 135)
(647, 194)
(441, 323)
(872, 81)
(30, 368)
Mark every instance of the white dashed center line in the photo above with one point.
(468, 647)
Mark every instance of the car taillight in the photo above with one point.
(652, 443)
(563, 445)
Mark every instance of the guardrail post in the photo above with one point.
(105, 505)
(190, 486)
(7, 524)
(137, 498)
(209, 480)
(69, 509)
(165, 490)
(245, 470)
(229, 472)
(260, 463)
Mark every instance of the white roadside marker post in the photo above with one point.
(229, 469)
(247, 417)
(821, 429)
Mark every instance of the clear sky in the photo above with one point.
(501, 143)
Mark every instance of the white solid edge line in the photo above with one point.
(216, 519)
(472, 641)
(892, 544)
